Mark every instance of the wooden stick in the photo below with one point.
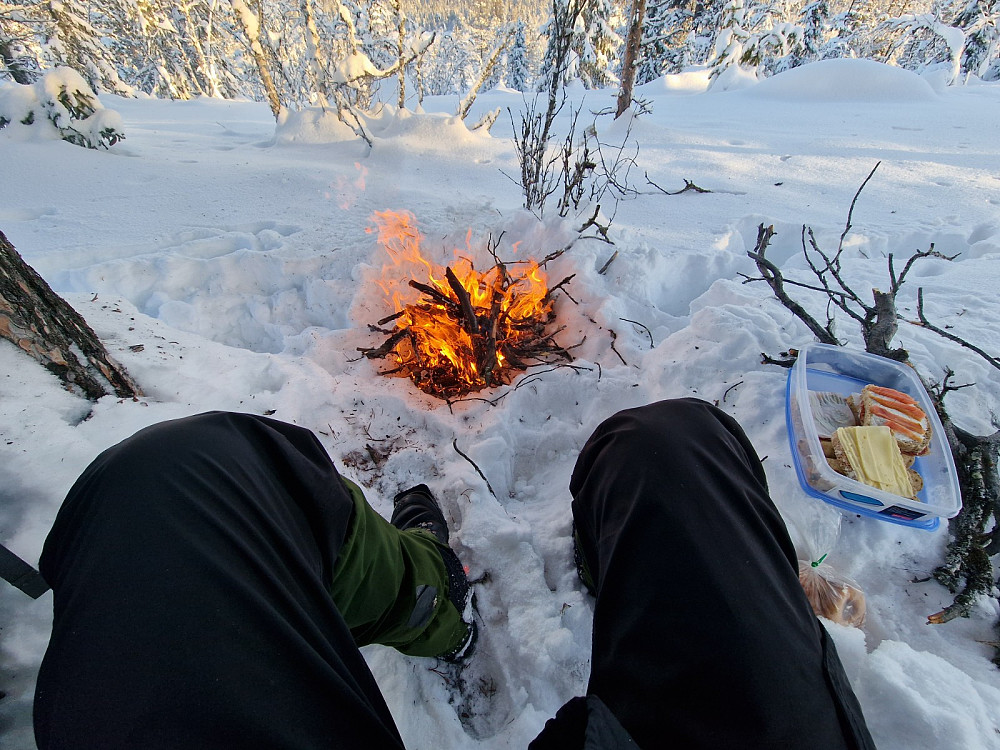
(432, 292)
(464, 301)
(387, 346)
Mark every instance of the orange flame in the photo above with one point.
(459, 328)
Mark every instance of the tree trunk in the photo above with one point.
(250, 24)
(42, 324)
(632, 43)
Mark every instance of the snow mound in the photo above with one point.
(317, 125)
(845, 80)
(422, 128)
(59, 105)
(691, 81)
(312, 125)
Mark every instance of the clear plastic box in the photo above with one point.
(820, 367)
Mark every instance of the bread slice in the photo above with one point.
(900, 413)
(871, 455)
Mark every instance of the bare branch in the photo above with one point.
(929, 253)
(950, 336)
(772, 275)
(479, 471)
(688, 185)
(646, 329)
(607, 264)
(850, 213)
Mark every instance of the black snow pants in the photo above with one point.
(191, 570)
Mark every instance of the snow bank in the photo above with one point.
(843, 80)
(693, 81)
(312, 125)
(317, 125)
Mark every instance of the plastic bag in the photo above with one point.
(831, 594)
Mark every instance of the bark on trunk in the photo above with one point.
(250, 24)
(43, 325)
(632, 43)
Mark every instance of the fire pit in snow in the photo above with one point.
(459, 330)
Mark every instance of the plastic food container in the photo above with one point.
(821, 367)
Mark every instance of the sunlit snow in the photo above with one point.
(228, 267)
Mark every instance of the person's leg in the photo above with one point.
(192, 567)
(396, 587)
(703, 637)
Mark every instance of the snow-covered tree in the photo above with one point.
(450, 67)
(147, 35)
(20, 48)
(75, 43)
(249, 22)
(815, 21)
(597, 44)
(582, 32)
(518, 71)
(773, 44)
(979, 21)
(561, 60)
(732, 38)
(665, 34)
(61, 103)
(922, 41)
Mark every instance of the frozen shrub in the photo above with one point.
(61, 105)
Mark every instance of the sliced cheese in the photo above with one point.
(875, 458)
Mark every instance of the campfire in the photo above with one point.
(459, 330)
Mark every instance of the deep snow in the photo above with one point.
(241, 263)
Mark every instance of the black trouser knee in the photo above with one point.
(703, 637)
(190, 567)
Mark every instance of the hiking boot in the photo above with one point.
(416, 508)
(468, 644)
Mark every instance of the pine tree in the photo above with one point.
(773, 44)
(674, 37)
(815, 20)
(597, 44)
(19, 47)
(657, 30)
(518, 74)
(980, 21)
(733, 35)
(593, 43)
(561, 59)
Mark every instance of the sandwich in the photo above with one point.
(870, 454)
(876, 406)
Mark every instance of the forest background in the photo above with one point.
(354, 54)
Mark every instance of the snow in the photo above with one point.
(354, 67)
(844, 79)
(239, 260)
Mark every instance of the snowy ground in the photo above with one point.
(243, 268)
